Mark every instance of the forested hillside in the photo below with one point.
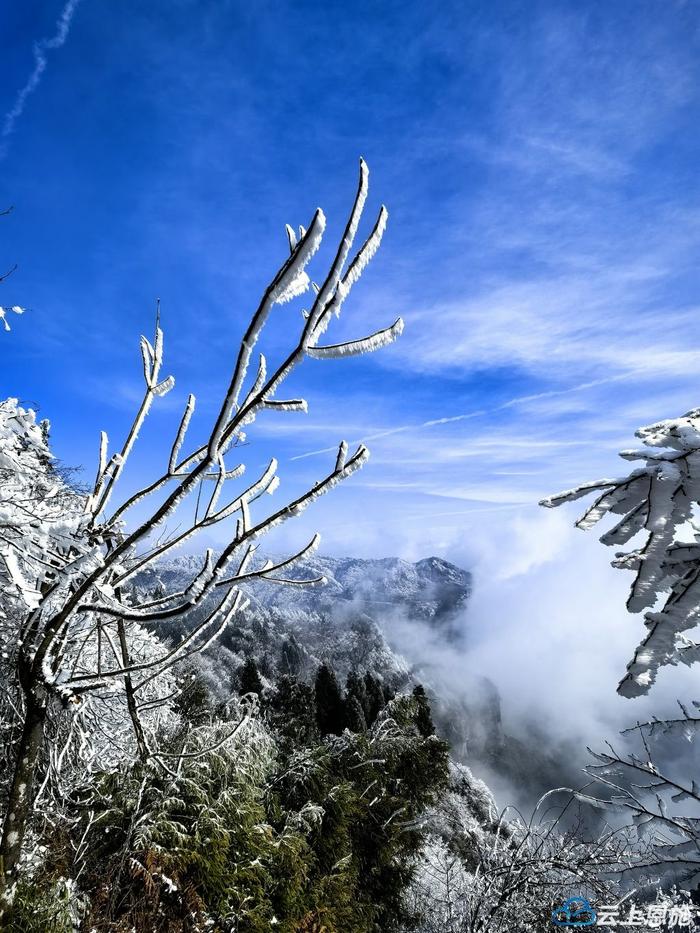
(298, 791)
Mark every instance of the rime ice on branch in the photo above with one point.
(658, 500)
(79, 636)
(15, 309)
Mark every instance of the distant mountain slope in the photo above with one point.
(351, 622)
(431, 590)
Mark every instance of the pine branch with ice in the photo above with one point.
(659, 502)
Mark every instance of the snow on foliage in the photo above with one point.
(659, 500)
(40, 531)
(16, 309)
(39, 513)
(483, 871)
(75, 639)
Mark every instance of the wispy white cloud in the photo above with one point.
(569, 268)
(566, 325)
(467, 416)
(41, 50)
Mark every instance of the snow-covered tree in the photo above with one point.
(659, 501)
(79, 639)
(656, 505)
(481, 871)
(654, 794)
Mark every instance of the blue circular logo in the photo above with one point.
(574, 912)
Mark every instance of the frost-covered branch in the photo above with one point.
(502, 876)
(658, 501)
(81, 642)
(660, 808)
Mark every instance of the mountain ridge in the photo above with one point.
(432, 589)
(351, 623)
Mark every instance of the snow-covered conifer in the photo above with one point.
(659, 502)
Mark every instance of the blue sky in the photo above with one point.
(540, 165)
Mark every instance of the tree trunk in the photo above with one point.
(131, 704)
(19, 802)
